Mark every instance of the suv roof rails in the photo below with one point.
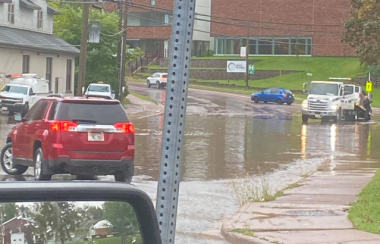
(98, 96)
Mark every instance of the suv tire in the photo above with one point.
(39, 171)
(158, 85)
(305, 118)
(7, 162)
(123, 177)
(148, 83)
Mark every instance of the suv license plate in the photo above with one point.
(95, 136)
(318, 116)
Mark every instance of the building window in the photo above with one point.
(265, 45)
(11, 13)
(39, 19)
(68, 75)
(49, 63)
(149, 19)
(152, 2)
(25, 64)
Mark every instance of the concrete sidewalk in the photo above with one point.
(315, 212)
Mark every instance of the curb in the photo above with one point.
(237, 238)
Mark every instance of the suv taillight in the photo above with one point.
(63, 126)
(124, 127)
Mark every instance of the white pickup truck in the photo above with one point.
(100, 90)
(22, 92)
(332, 100)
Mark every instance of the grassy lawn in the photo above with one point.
(365, 214)
(143, 97)
(109, 240)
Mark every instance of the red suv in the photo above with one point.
(80, 136)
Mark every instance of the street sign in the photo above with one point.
(243, 52)
(309, 74)
(251, 69)
(368, 86)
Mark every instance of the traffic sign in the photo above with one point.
(368, 86)
(251, 69)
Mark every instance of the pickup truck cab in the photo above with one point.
(22, 93)
(100, 90)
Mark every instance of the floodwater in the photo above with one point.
(229, 139)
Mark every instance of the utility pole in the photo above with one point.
(123, 27)
(247, 57)
(83, 49)
(174, 118)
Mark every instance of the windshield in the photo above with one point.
(97, 88)
(15, 89)
(324, 89)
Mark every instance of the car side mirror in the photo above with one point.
(113, 92)
(32, 94)
(17, 117)
(123, 207)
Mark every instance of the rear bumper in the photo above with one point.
(64, 164)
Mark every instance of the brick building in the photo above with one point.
(149, 27)
(277, 27)
(280, 27)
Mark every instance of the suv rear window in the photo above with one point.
(288, 92)
(102, 114)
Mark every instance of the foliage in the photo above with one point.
(94, 212)
(208, 53)
(122, 217)
(365, 214)
(374, 70)
(361, 30)
(55, 220)
(8, 211)
(102, 64)
(133, 54)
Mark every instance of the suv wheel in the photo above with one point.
(158, 85)
(122, 177)
(148, 83)
(7, 162)
(39, 173)
(25, 110)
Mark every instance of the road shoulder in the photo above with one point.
(139, 108)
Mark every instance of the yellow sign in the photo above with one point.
(368, 86)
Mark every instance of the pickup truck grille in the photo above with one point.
(314, 105)
(8, 100)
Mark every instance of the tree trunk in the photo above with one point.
(62, 241)
(123, 239)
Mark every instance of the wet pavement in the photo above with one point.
(228, 138)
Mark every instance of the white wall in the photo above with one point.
(11, 62)
(27, 18)
(203, 7)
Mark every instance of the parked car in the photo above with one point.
(80, 136)
(157, 79)
(275, 95)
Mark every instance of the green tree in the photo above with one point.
(361, 30)
(8, 211)
(57, 221)
(122, 217)
(94, 212)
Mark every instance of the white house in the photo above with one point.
(27, 44)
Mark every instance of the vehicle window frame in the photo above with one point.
(52, 110)
(275, 91)
(267, 91)
(39, 105)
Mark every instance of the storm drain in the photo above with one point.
(312, 213)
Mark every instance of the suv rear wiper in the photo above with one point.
(85, 121)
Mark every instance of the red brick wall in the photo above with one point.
(150, 32)
(320, 19)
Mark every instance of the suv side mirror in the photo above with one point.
(113, 92)
(17, 117)
(65, 196)
(32, 94)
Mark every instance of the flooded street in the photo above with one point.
(229, 138)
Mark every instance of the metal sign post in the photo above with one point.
(174, 120)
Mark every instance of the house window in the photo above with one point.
(68, 76)
(49, 63)
(25, 64)
(11, 13)
(39, 19)
(152, 2)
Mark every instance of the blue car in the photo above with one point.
(274, 95)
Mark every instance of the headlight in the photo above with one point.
(334, 107)
(305, 104)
